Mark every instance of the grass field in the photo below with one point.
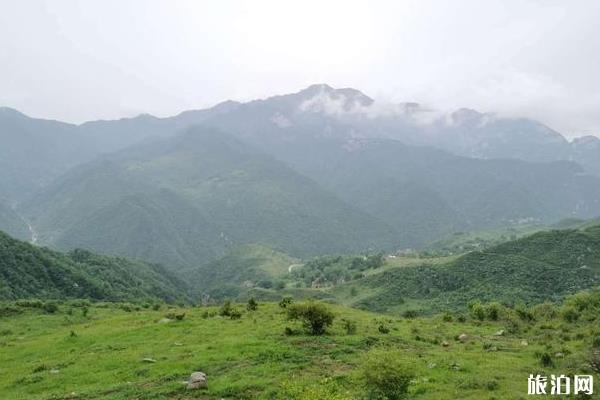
(112, 353)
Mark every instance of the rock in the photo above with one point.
(463, 337)
(54, 371)
(559, 355)
(445, 344)
(148, 360)
(197, 380)
(499, 333)
(177, 344)
(524, 343)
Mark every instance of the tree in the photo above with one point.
(252, 304)
(315, 317)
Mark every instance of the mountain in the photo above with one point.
(425, 193)
(28, 271)
(401, 173)
(545, 266)
(12, 223)
(186, 200)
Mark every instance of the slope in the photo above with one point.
(28, 271)
(221, 189)
(544, 266)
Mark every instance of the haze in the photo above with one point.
(78, 61)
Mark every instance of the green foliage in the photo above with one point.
(50, 307)
(349, 326)
(285, 302)
(315, 317)
(30, 272)
(252, 304)
(386, 376)
(546, 266)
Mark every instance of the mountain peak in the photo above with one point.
(324, 98)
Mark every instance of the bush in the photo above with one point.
(235, 314)
(546, 360)
(252, 305)
(50, 307)
(447, 317)
(524, 313)
(570, 314)
(410, 314)
(225, 310)
(385, 375)
(178, 317)
(285, 302)
(477, 311)
(493, 311)
(382, 328)
(349, 326)
(315, 317)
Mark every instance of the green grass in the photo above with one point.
(251, 358)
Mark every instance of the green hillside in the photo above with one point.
(243, 268)
(543, 266)
(187, 200)
(27, 271)
(122, 353)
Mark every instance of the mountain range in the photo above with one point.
(316, 172)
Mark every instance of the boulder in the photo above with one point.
(463, 337)
(499, 333)
(197, 380)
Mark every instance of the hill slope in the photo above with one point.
(28, 271)
(186, 200)
(544, 266)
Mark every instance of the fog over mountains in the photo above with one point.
(320, 171)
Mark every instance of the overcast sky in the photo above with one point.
(83, 60)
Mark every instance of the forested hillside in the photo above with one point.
(28, 271)
(545, 266)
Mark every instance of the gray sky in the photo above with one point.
(82, 60)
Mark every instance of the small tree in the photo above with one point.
(315, 317)
(385, 375)
(286, 301)
(252, 305)
(226, 309)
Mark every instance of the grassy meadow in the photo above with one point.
(124, 351)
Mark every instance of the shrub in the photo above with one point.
(225, 310)
(382, 328)
(385, 375)
(235, 314)
(524, 313)
(410, 314)
(315, 317)
(156, 306)
(570, 314)
(546, 360)
(447, 317)
(477, 311)
(178, 317)
(349, 326)
(50, 307)
(252, 305)
(285, 302)
(84, 312)
(493, 311)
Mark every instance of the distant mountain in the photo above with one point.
(544, 266)
(27, 271)
(186, 200)
(12, 223)
(322, 170)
